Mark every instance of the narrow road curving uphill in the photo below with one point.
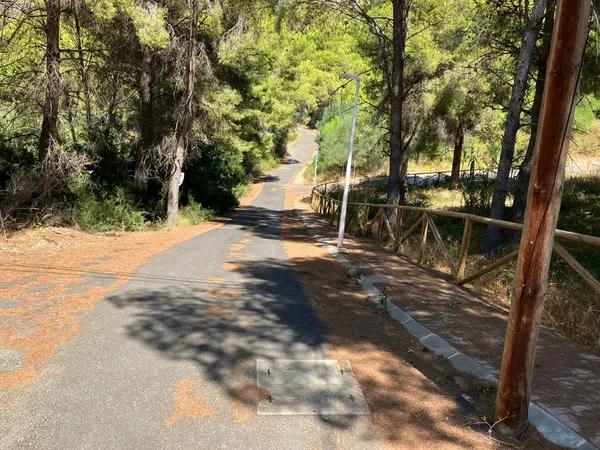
(170, 359)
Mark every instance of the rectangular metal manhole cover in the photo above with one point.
(309, 386)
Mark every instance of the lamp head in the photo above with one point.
(349, 76)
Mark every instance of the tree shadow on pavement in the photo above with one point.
(263, 223)
(224, 331)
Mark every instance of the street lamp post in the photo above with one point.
(340, 243)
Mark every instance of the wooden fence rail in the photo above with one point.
(380, 227)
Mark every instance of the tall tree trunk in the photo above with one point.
(49, 133)
(68, 106)
(512, 122)
(109, 123)
(184, 128)
(459, 140)
(396, 188)
(146, 121)
(85, 84)
(522, 181)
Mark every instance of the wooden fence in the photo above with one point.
(387, 222)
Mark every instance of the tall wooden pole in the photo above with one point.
(541, 215)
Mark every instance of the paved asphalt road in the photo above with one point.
(168, 360)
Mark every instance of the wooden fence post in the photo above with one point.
(350, 217)
(399, 214)
(541, 214)
(423, 241)
(464, 250)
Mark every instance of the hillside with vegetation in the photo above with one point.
(106, 106)
(122, 114)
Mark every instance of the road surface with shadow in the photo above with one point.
(168, 360)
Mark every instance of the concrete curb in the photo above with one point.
(549, 426)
